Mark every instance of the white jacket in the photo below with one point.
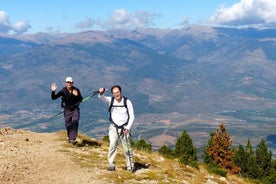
(119, 115)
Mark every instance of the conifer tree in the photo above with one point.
(251, 167)
(219, 149)
(263, 160)
(240, 159)
(212, 165)
(206, 157)
(272, 176)
(245, 159)
(184, 149)
(256, 164)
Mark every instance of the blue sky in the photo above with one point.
(59, 16)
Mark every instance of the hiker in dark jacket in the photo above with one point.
(121, 118)
(71, 99)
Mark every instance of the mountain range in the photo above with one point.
(186, 79)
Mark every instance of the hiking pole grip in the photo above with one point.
(97, 92)
(104, 89)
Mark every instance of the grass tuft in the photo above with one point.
(88, 153)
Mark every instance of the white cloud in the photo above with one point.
(255, 13)
(122, 19)
(6, 26)
(4, 22)
(21, 27)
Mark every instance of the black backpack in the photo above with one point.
(112, 105)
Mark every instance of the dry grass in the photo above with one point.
(162, 170)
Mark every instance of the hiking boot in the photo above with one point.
(73, 142)
(111, 168)
(133, 169)
(147, 166)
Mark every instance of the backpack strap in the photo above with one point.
(62, 103)
(125, 104)
(111, 104)
(109, 110)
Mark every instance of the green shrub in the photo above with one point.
(166, 151)
(106, 138)
(270, 179)
(142, 145)
(216, 170)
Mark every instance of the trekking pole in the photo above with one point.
(129, 155)
(121, 137)
(56, 115)
(87, 98)
(84, 100)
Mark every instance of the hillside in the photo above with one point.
(30, 157)
(186, 79)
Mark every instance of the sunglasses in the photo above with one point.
(69, 82)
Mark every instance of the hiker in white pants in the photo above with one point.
(121, 118)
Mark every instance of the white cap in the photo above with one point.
(69, 79)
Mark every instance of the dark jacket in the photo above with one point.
(68, 100)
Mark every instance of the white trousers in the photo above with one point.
(116, 136)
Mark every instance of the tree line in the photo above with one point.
(221, 157)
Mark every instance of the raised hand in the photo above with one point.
(53, 86)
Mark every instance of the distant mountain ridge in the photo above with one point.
(192, 72)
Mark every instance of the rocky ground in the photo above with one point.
(47, 158)
(28, 157)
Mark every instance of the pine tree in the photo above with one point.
(263, 160)
(206, 157)
(272, 176)
(184, 149)
(220, 151)
(251, 167)
(240, 159)
(255, 164)
(245, 159)
(212, 165)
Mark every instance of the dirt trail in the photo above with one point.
(28, 157)
(47, 158)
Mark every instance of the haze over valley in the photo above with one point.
(188, 79)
